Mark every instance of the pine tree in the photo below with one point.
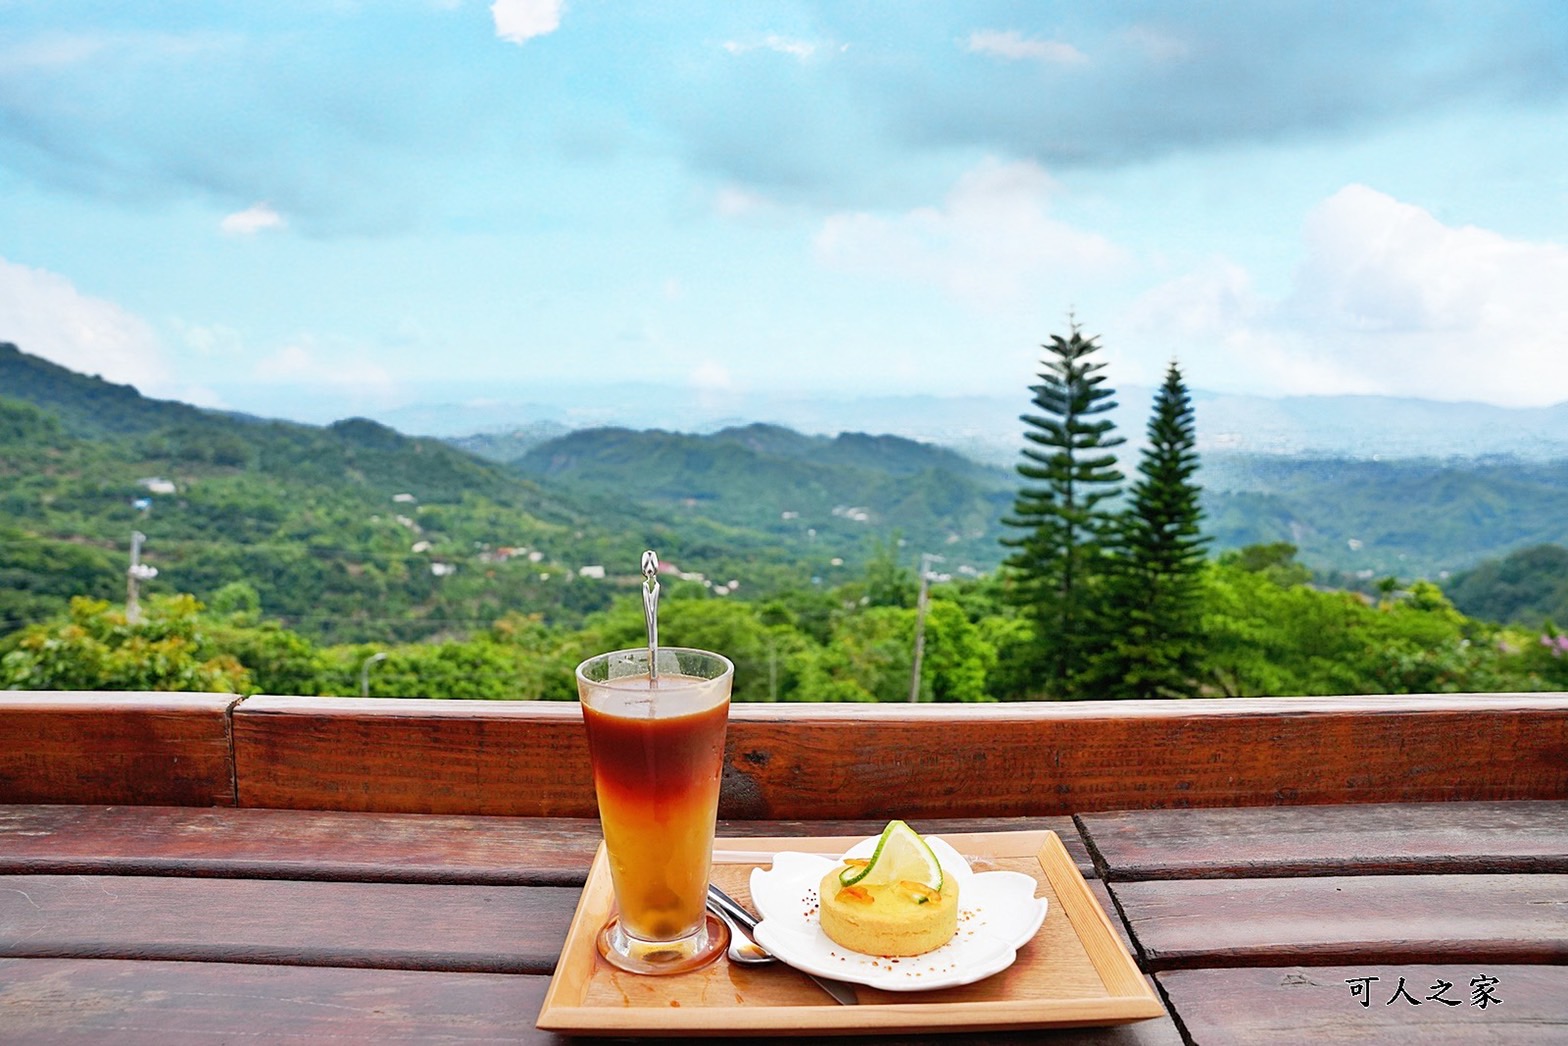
(1069, 471)
(1155, 577)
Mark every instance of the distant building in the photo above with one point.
(594, 571)
(404, 499)
(157, 485)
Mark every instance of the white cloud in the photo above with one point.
(210, 340)
(44, 314)
(60, 50)
(308, 362)
(734, 201)
(1387, 301)
(1158, 45)
(203, 396)
(53, 51)
(711, 376)
(993, 242)
(1014, 47)
(801, 49)
(251, 220)
(521, 20)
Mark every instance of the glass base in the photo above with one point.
(621, 949)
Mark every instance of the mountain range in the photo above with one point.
(326, 519)
(987, 428)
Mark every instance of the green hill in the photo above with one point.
(831, 492)
(1527, 587)
(86, 406)
(355, 531)
(1408, 519)
(352, 531)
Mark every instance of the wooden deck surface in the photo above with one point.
(159, 922)
(204, 868)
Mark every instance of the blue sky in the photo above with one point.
(296, 207)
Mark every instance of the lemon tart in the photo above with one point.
(898, 902)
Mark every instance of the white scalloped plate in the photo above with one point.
(997, 914)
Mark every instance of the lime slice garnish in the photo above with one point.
(900, 854)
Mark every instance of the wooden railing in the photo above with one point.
(787, 761)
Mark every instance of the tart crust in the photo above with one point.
(892, 922)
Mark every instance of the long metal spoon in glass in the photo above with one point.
(656, 721)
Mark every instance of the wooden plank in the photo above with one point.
(135, 1003)
(296, 844)
(155, 748)
(1366, 839)
(496, 929)
(1330, 920)
(918, 761)
(1316, 1004)
(400, 755)
(1102, 894)
(128, 1002)
(338, 845)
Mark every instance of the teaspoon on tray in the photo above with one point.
(742, 948)
(730, 910)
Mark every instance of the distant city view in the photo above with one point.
(987, 427)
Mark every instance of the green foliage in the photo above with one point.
(1012, 639)
(831, 498)
(1267, 638)
(1068, 471)
(39, 576)
(1527, 587)
(97, 649)
(351, 533)
(1543, 657)
(237, 598)
(958, 658)
(96, 408)
(1409, 517)
(276, 660)
(888, 583)
(1276, 561)
(1152, 644)
(314, 549)
(870, 658)
(473, 670)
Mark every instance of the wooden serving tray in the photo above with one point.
(1075, 971)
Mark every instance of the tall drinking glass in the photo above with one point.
(657, 746)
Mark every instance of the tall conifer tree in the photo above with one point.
(1069, 471)
(1156, 648)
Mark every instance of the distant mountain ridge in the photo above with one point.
(776, 480)
(753, 494)
(87, 406)
(1407, 519)
(987, 429)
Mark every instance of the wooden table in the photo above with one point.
(199, 868)
(162, 924)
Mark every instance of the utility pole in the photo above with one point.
(135, 574)
(926, 559)
(364, 671)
